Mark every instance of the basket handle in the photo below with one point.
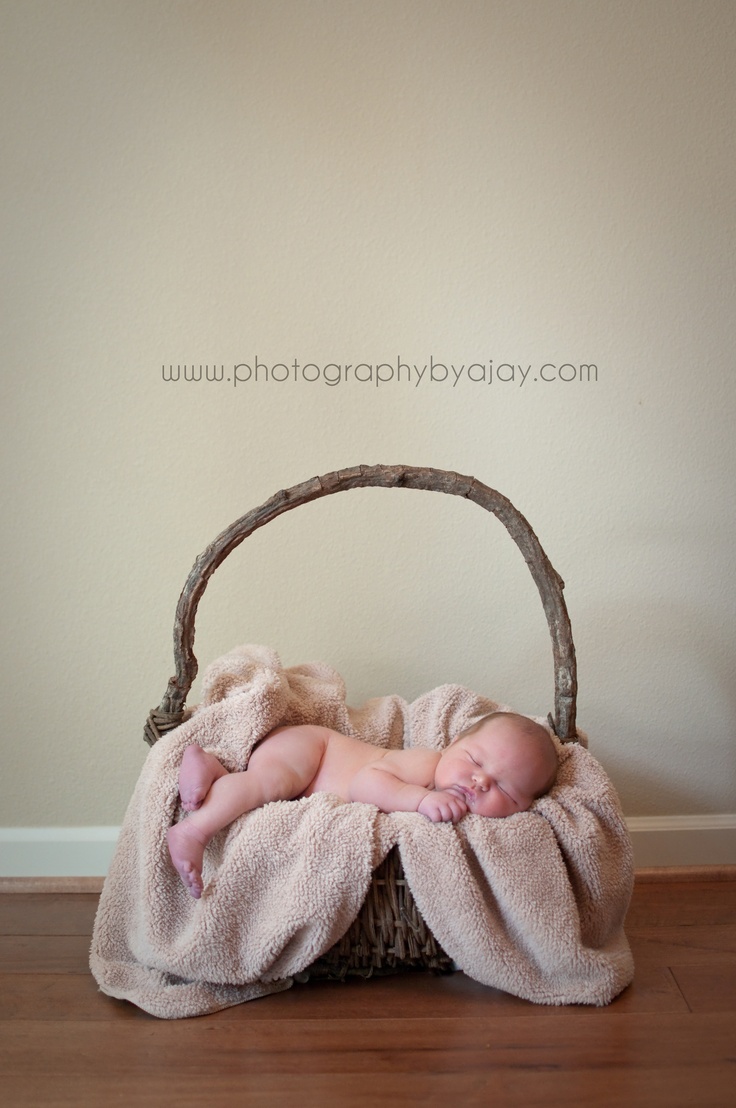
(170, 713)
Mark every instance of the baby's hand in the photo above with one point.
(442, 806)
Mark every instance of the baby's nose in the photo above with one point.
(481, 780)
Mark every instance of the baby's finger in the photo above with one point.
(459, 812)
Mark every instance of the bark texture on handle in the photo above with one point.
(170, 713)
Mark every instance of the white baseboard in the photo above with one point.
(86, 851)
(56, 851)
(683, 840)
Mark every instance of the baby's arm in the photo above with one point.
(402, 782)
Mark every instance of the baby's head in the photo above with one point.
(500, 765)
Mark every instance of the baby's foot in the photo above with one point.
(198, 771)
(187, 852)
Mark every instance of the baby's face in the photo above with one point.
(495, 771)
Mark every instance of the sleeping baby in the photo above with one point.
(497, 767)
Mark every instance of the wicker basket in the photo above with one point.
(389, 933)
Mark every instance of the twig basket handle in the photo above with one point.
(550, 585)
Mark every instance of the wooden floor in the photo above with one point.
(669, 1040)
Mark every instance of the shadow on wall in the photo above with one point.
(669, 751)
(637, 782)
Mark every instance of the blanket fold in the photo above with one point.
(532, 904)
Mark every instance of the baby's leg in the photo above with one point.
(199, 770)
(280, 768)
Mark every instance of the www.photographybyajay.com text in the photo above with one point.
(380, 374)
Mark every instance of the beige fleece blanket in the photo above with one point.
(532, 904)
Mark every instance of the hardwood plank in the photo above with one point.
(60, 996)
(44, 953)
(653, 990)
(74, 1049)
(58, 914)
(704, 903)
(666, 946)
(707, 988)
(517, 1087)
(75, 996)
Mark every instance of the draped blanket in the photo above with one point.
(532, 904)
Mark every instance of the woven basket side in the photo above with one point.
(388, 935)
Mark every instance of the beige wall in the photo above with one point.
(348, 182)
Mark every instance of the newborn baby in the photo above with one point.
(497, 767)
